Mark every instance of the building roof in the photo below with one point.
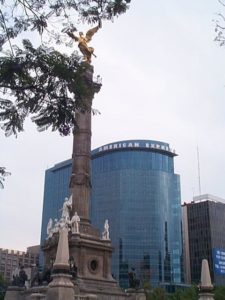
(204, 198)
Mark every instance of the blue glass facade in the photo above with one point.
(135, 188)
(55, 190)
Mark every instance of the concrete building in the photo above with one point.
(11, 259)
(133, 186)
(203, 232)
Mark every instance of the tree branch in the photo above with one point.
(6, 30)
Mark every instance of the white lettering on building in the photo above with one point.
(135, 145)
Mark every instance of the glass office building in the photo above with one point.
(205, 225)
(133, 186)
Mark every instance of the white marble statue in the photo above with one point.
(56, 226)
(49, 228)
(105, 233)
(67, 205)
(75, 223)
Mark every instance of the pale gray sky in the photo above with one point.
(163, 79)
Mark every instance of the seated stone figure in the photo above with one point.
(133, 282)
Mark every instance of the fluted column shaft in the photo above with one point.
(80, 184)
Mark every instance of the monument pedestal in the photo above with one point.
(60, 288)
(136, 294)
(206, 296)
(13, 293)
(91, 258)
(37, 296)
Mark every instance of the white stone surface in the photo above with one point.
(205, 276)
(67, 205)
(105, 233)
(75, 223)
(206, 284)
(49, 228)
(62, 255)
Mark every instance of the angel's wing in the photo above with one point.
(90, 33)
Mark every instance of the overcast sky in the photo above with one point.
(163, 79)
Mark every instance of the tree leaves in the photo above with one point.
(44, 84)
(17, 16)
(220, 26)
(3, 173)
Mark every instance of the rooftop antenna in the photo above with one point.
(199, 174)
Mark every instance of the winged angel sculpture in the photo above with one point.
(83, 42)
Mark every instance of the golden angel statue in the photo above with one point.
(83, 42)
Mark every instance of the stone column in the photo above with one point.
(80, 178)
(80, 183)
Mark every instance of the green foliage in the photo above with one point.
(3, 287)
(187, 294)
(146, 285)
(42, 83)
(17, 16)
(157, 294)
(220, 293)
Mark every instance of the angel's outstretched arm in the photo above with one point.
(73, 36)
